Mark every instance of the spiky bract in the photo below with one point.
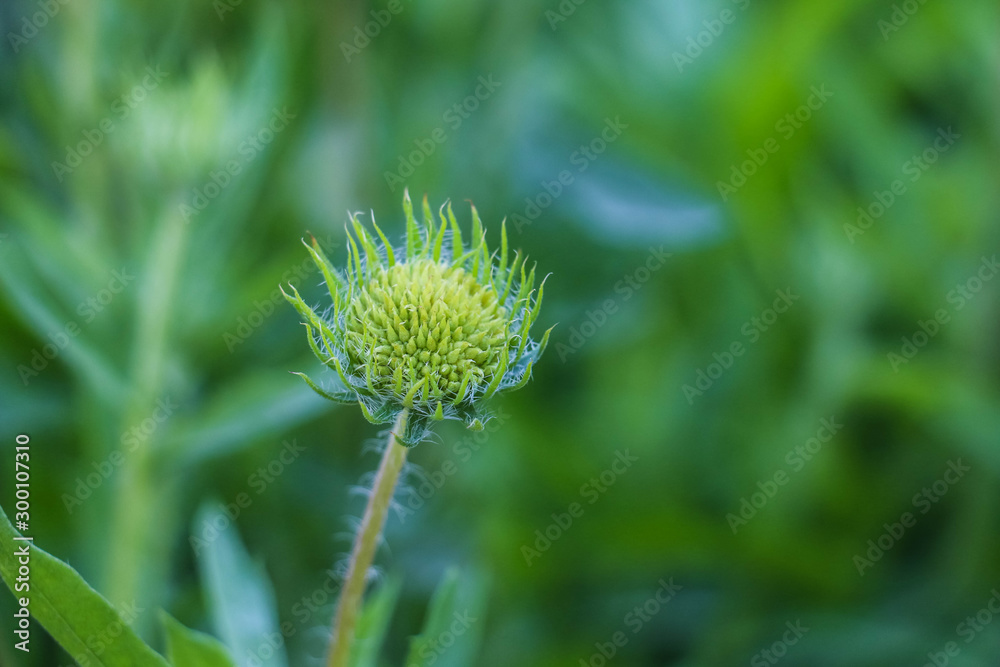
(434, 327)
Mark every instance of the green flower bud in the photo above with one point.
(435, 328)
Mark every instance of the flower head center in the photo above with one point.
(424, 319)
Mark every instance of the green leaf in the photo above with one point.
(453, 628)
(189, 648)
(240, 596)
(83, 622)
(374, 623)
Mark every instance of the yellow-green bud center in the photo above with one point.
(425, 319)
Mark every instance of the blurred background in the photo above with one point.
(766, 428)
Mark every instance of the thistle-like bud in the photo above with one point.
(435, 328)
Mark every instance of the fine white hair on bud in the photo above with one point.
(435, 327)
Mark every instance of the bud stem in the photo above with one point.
(365, 545)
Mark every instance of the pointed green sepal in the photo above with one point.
(372, 258)
(344, 397)
(504, 362)
(377, 413)
(502, 269)
(330, 275)
(544, 343)
(439, 242)
(463, 389)
(456, 234)
(510, 277)
(390, 256)
(304, 310)
(414, 432)
(408, 399)
(413, 242)
(523, 381)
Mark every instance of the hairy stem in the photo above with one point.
(365, 544)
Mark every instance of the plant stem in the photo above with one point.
(139, 557)
(365, 544)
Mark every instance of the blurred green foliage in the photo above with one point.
(197, 142)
